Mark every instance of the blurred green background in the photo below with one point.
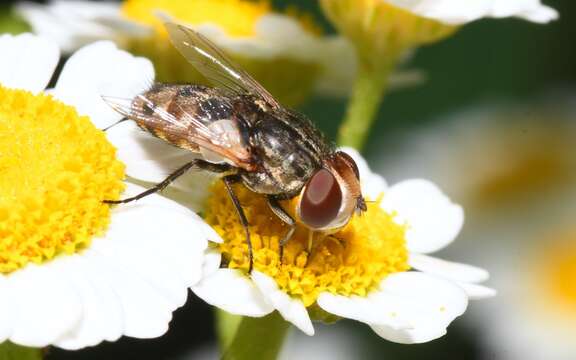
(488, 61)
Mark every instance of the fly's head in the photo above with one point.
(332, 195)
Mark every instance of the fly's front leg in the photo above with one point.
(228, 181)
(194, 164)
(286, 218)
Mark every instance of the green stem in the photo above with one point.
(254, 338)
(369, 89)
(226, 326)
(10, 351)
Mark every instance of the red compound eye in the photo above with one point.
(321, 200)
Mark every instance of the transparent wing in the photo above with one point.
(215, 65)
(159, 118)
(185, 130)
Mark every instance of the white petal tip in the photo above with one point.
(291, 309)
(232, 291)
(433, 220)
(478, 292)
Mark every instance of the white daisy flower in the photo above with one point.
(286, 52)
(509, 159)
(519, 189)
(74, 273)
(534, 317)
(457, 13)
(388, 27)
(360, 272)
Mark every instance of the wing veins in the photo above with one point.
(211, 62)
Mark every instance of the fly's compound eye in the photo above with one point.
(321, 200)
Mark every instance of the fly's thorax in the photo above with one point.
(284, 162)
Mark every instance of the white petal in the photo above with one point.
(232, 291)
(126, 283)
(73, 24)
(477, 292)
(369, 309)
(337, 77)
(7, 306)
(147, 158)
(157, 228)
(410, 307)
(447, 269)
(433, 220)
(151, 160)
(45, 24)
(456, 12)
(101, 69)
(156, 201)
(134, 277)
(27, 62)
(417, 335)
(212, 235)
(292, 310)
(146, 310)
(430, 304)
(373, 185)
(212, 260)
(102, 314)
(45, 306)
(276, 36)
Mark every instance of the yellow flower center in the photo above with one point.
(55, 170)
(237, 18)
(352, 261)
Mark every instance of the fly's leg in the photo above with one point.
(228, 181)
(310, 241)
(116, 123)
(194, 164)
(286, 218)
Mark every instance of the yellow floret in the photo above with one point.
(237, 18)
(55, 170)
(352, 261)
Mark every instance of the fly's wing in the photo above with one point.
(215, 65)
(220, 70)
(181, 127)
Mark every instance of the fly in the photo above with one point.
(248, 137)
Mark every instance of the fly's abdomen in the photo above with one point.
(193, 117)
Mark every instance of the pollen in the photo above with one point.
(352, 261)
(55, 170)
(237, 18)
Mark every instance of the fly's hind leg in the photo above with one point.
(286, 218)
(194, 164)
